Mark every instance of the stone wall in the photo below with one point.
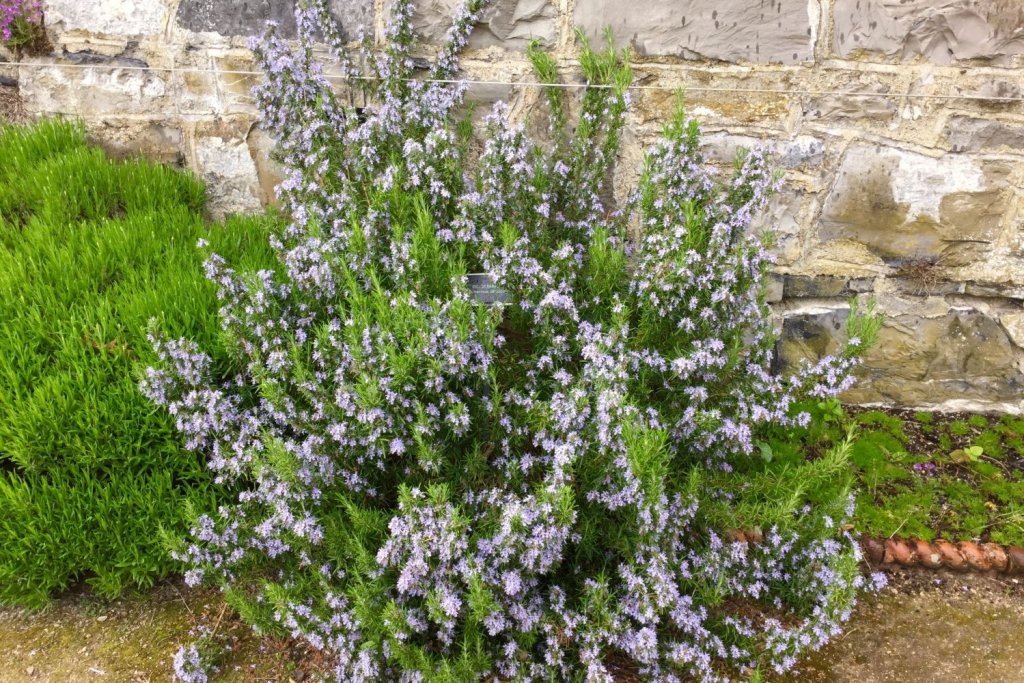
(904, 175)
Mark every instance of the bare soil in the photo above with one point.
(11, 109)
(926, 626)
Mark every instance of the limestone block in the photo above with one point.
(238, 74)
(1013, 323)
(725, 103)
(781, 220)
(113, 17)
(996, 87)
(768, 31)
(774, 288)
(480, 101)
(922, 359)
(103, 91)
(508, 23)
(904, 205)
(249, 18)
(194, 85)
(1000, 290)
(802, 152)
(269, 173)
(809, 335)
(154, 140)
(976, 135)
(815, 286)
(940, 31)
(223, 159)
(862, 103)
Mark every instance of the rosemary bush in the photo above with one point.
(434, 489)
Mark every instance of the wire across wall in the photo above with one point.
(782, 92)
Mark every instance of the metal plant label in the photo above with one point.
(485, 291)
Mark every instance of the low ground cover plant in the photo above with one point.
(433, 489)
(90, 251)
(927, 475)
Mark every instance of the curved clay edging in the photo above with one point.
(942, 554)
(894, 552)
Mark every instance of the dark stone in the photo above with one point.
(250, 17)
(874, 549)
(89, 57)
(8, 82)
(816, 286)
(809, 336)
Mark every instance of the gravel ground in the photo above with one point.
(926, 626)
(82, 639)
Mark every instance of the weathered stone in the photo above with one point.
(481, 98)
(869, 102)
(89, 57)
(781, 222)
(1013, 323)
(236, 17)
(154, 140)
(964, 355)
(194, 84)
(775, 287)
(926, 286)
(906, 205)
(268, 171)
(976, 135)
(724, 102)
(809, 335)
(816, 286)
(802, 152)
(996, 93)
(224, 161)
(775, 31)
(94, 92)
(508, 23)
(237, 75)
(1002, 290)
(250, 17)
(120, 17)
(860, 285)
(941, 31)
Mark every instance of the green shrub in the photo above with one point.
(90, 251)
(438, 490)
